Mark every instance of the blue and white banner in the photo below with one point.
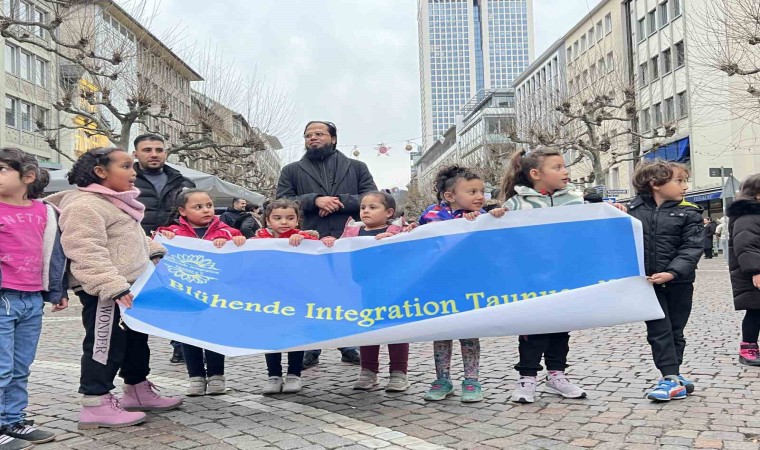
(529, 272)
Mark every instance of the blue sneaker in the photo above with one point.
(667, 389)
(688, 384)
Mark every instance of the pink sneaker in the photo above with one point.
(749, 354)
(105, 412)
(144, 397)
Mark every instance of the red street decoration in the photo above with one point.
(383, 150)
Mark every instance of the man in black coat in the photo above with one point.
(159, 186)
(328, 185)
(234, 212)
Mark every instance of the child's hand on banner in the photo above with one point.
(471, 215)
(219, 242)
(329, 241)
(497, 212)
(384, 235)
(239, 240)
(295, 240)
(168, 234)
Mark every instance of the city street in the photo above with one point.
(612, 364)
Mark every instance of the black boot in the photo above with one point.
(177, 356)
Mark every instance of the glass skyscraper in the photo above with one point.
(467, 46)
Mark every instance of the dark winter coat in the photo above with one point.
(673, 236)
(301, 181)
(159, 205)
(247, 224)
(744, 252)
(710, 228)
(230, 216)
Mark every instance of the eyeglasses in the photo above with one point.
(318, 134)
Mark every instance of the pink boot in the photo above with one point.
(104, 411)
(749, 354)
(144, 397)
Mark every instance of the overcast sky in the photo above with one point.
(352, 62)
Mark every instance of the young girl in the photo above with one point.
(376, 212)
(539, 179)
(32, 269)
(460, 193)
(108, 249)
(197, 220)
(281, 219)
(744, 264)
(673, 244)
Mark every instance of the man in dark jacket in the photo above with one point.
(233, 212)
(159, 186)
(328, 185)
(710, 228)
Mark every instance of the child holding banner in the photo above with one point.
(108, 249)
(196, 218)
(281, 219)
(673, 244)
(539, 179)
(32, 271)
(460, 193)
(376, 212)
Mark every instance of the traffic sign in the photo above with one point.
(715, 171)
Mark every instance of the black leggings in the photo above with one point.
(751, 325)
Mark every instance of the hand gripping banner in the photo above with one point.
(529, 272)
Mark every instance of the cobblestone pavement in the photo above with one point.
(612, 364)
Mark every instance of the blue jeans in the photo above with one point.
(20, 328)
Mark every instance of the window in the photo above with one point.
(657, 115)
(583, 43)
(654, 67)
(27, 66)
(642, 29)
(591, 40)
(569, 53)
(680, 54)
(643, 74)
(599, 33)
(683, 105)
(592, 72)
(26, 116)
(667, 62)
(11, 59)
(615, 176)
(41, 119)
(41, 17)
(676, 8)
(24, 9)
(608, 23)
(646, 119)
(10, 111)
(41, 75)
(670, 113)
(663, 13)
(610, 62)
(576, 50)
(652, 21)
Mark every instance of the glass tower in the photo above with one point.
(467, 46)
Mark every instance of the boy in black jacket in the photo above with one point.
(673, 240)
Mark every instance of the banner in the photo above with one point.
(529, 272)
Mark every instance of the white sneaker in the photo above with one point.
(216, 385)
(197, 387)
(273, 386)
(525, 390)
(292, 384)
(367, 380)
(557, 383)
(398, 382)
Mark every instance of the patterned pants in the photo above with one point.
(470, 358)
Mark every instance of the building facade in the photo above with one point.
(467, 46)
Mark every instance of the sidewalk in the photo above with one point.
(612, 364)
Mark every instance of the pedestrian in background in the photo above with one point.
(539, 179)
(744, 264)
(710, 228)
(673, 243)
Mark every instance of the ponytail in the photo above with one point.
(519, 167)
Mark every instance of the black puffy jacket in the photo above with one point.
(159, 205)
(744, 252)
(673, 236)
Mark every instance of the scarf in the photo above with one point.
(125, 201)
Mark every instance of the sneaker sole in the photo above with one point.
(656, 399)
(396, 389)
(94, 425)
(152, 408)
(438, 399)
(217, 392)
(522, 400)
(194, 394)
(748, 362)
(364, 388)
(472, 400)
(290, 391)
(39, 441)
(551, 390)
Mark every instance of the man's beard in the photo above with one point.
(320, 153)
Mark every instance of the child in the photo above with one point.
(32, 269)
(281, 219)
(460, 193)
(108, 249)
(539, 179)
(744, 264)
(376, 211)
(673, 244)
(197, 220)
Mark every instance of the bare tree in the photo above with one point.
(593, 121)
(116, 78)
(416, 200)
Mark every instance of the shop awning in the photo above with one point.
(674, 151)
